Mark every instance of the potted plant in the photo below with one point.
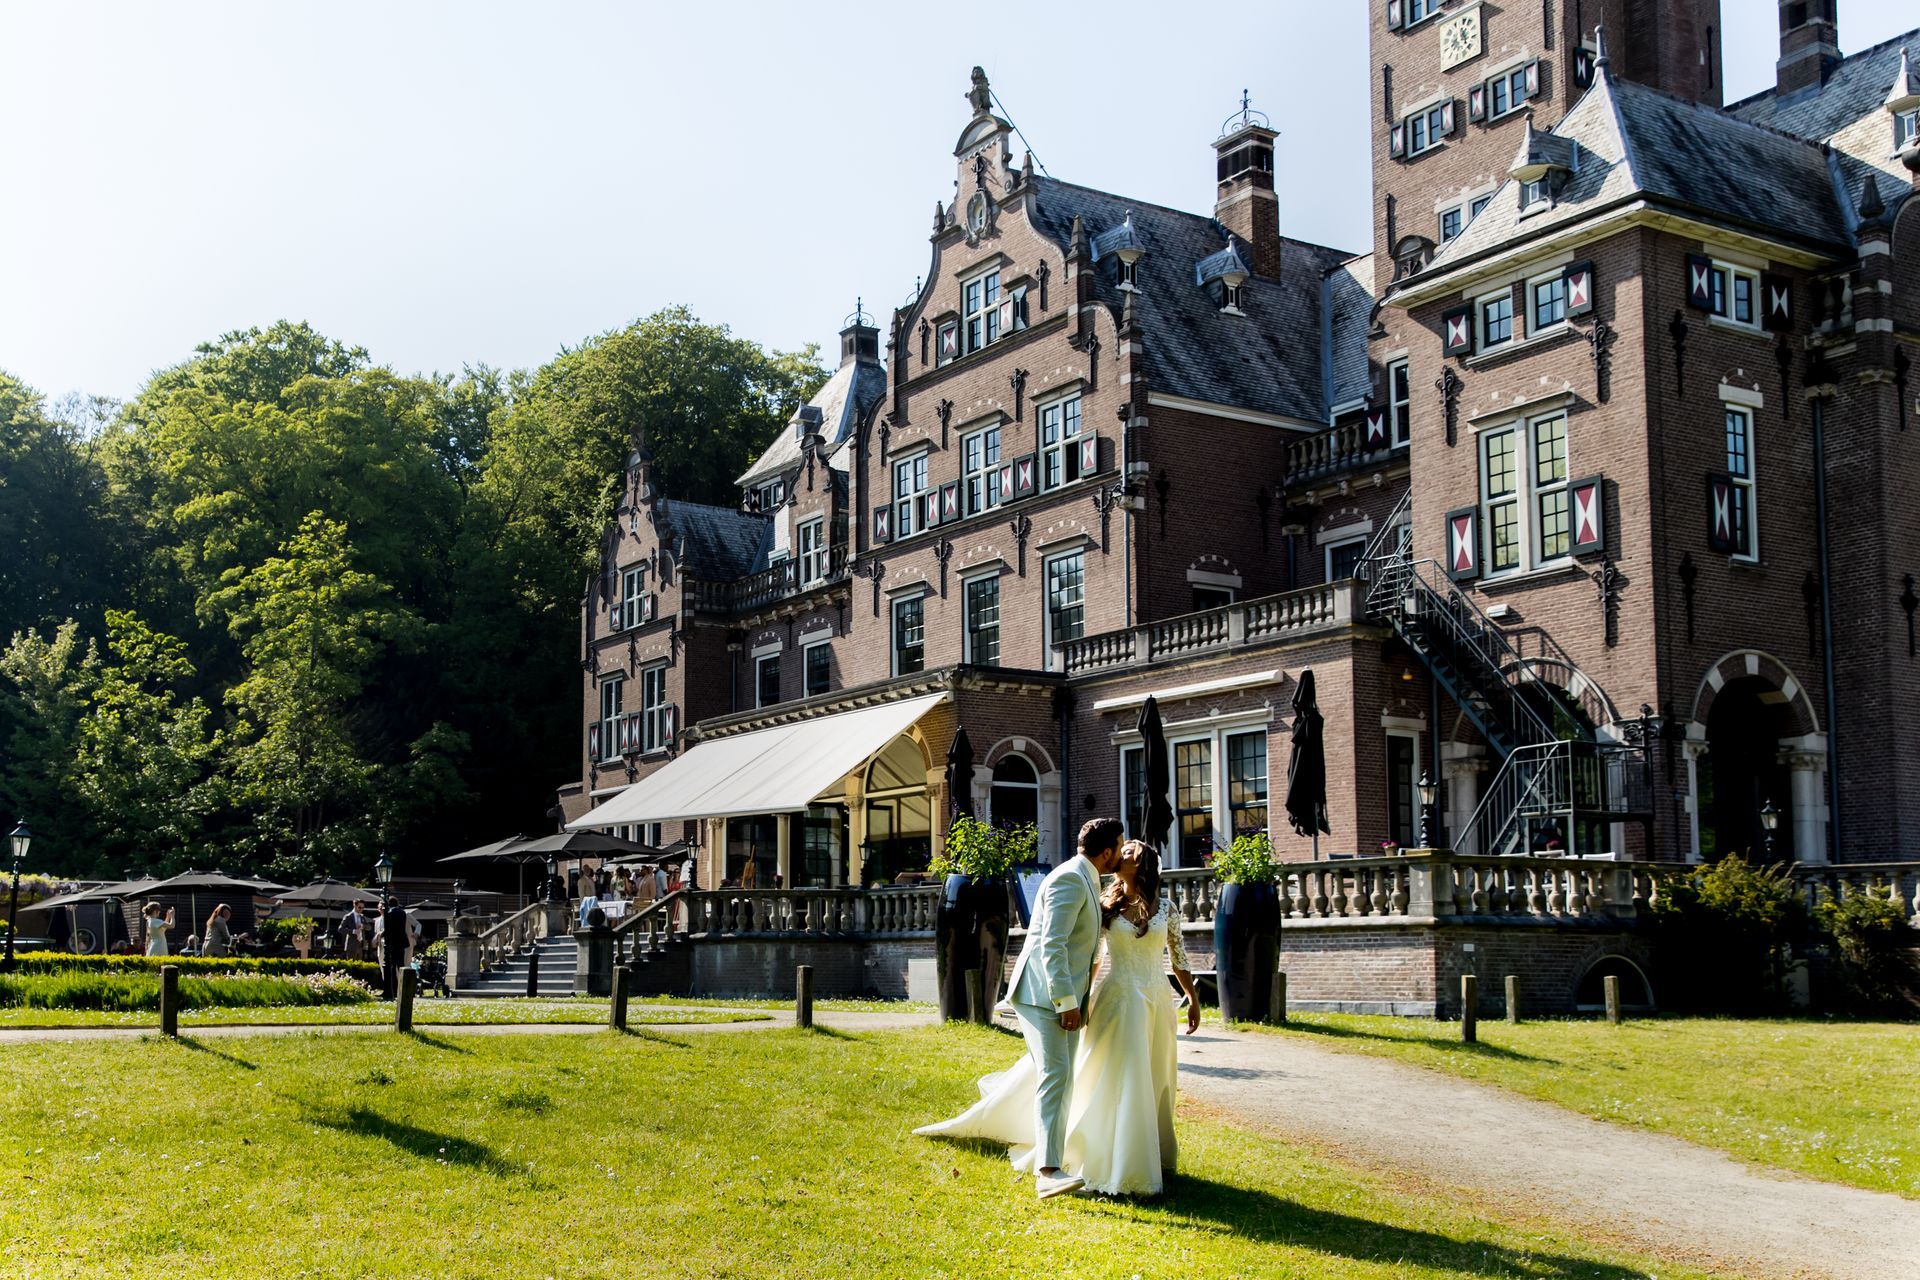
(970, 929)
(1246, 927)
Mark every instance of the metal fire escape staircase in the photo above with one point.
(1559, 778)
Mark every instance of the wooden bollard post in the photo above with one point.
(1610, 984)
(977, 1012)
(169, 999)
(1278, 1012)
(1513, 997)
(617, 1007)
(533, 973)
(803, 996)
(1469, 1008)
(403, 1000)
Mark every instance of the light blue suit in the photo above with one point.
(1052, 975)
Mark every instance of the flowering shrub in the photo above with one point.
(1248, 860)
(135, 992)
(61, 962)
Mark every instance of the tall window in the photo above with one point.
(653, 708)
(1734, 289)
(1016, 792)
(909, 493)
(909, 635)
(1059, 433)
(1399, 403)
(612, 693)
(983, 620)
(1066, 601)
(1549, 302)
(813, 550)
(1525, 504)
(1499, 495)
(819, 668)
(1133, 789)
(633, 587)
(1496, 319)
(980, 311)
(980, 464)
(1506, 92)
(1402, 823)
(1550, 497)
(1247, 782)
(1426, 129)
(1193, 799)
(767, 680)
(1740, 470)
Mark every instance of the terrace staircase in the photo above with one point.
(508, 975)
(1559, 773)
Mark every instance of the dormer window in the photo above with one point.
(1906, 128)
(1230, 297)
(980, 310)
(1534, 195)
(1127, 273)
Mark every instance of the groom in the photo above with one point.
(1049, 987)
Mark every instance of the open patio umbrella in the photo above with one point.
(499, 851)
(1156, 815)
(213, 884)
(1307, 768)
(960, 773)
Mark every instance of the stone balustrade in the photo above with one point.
(514, 934)
(1211, 630)
(1898, 882)
(792, 912)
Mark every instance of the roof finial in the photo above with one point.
(1600, 46)
(980, 95)
(1871, 206)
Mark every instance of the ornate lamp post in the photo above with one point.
(1770, 823)
(1429, 819)
(383, 871)
(21, 840)
(553, 878)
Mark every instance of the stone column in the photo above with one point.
(1806, 758)
(783, 848)
(713, 865)
(1691, 749)
(463, 961)
(1462, 766)
(857, 829)
(1052, 818)
(983, 792)
(941, 810)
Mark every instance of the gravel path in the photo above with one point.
(1660, 1194)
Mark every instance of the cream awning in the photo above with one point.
(778, 770)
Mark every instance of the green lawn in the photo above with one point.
(425, 1013)
(824, 1005)
(780, 1153)
(1833, 1100)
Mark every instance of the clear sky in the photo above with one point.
(486, 182)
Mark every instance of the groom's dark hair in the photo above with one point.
(1099, 834)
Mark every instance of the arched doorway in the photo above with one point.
(1016, 793)
(899, 812)
(1742, 771)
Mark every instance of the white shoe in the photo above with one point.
(1058, 1184)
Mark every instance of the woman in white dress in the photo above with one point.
(158, 922)
(1120, 1124)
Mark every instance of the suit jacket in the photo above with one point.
(1055, 967)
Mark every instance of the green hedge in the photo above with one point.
(61, 962)
(129, 992)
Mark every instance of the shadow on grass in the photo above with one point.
(436, 1042)
(831, 1033)
(422, 1143)
(1209, 1206)
(652, 1037)
(1477, 1048)
(201, 1046)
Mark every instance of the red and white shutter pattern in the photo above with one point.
(1720, 535)
(1699, 282)
(1089, 455)
(1589, 515)
(1456, 331)
(883, 524)
(1776, 302)
(1463, 543)
(1376, 429)
(1579, 288)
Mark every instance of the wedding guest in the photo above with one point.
(219, 933)
(158, 920)
(353, 933)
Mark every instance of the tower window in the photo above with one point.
(1230, 297)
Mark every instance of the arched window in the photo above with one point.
(1016, 793)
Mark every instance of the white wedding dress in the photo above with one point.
(1120, 1121)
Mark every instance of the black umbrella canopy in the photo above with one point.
(577, 843)
(960, 773)
(1307, 769)
(502, 850)
(326, 891)
(1158, 814)
(191, 880)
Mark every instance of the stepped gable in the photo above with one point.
(1268, 360)
(1634, 143)
(1856, 88)
(718, 543)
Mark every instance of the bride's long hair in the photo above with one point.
(1146, 884)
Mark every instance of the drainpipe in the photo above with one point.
(1818, 397)
(1063, 707)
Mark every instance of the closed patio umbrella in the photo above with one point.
(1157, 814)
(1307, 768)
(960, 773)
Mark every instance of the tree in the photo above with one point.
(47, 681)
(53, 549)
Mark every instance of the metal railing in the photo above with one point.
(1243, 622)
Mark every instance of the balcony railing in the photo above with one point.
(769, 586)
(1331, 452)
(1311, 609)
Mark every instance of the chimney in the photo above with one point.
(860, 339)
(1809, 45)
(1246, 205)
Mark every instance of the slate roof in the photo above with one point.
(1632, 142)
(1268, 360)
(855, 387)
(718, 543)
(1348, 314)
(1857, 87)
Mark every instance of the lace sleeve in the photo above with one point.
(1176, 947)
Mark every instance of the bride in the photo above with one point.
(1120, 1124)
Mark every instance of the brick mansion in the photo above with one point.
(1585, 491)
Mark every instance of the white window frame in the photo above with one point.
(919, 599)
(1723, 286)
(1222, 784)
(1476, 204)
(909, 504)
(1514, 81)
(1431, 121)
(980, 324)
(1056, 455)
(1906, 127)
(980, 485)
(612, 706)
(1480, 305)
(1053, 656)
(811, 537)
(1744, 483)
(966, 617)
(1326, 554)
(806, 667)
(1549, 280)
(653, 707)
(1535, 195)
(1526, 495)
(633, 587)
(1416, 15)
(1399, 404)
(1455, 210)
(759, 679)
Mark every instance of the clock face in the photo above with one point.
(1460, 39)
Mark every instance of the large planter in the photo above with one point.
(1246, 949)
(970, 932)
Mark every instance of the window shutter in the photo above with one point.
(1579, 279)
(1376, 429)
(949, 502)
(1477, 102)
(1719, 512)
(1533, 78)
(1463, 544)
(1456, 331)
(1020, 307)
(1089, 455)
(949, 345)
(883, 524)
(1776, 308)
(1396, 14)
(1006, 481)
(593, 742)
(1589, 515)
(1024, 476)
(1006, 315)
(1397, 140)
(1448, 121)
(1583, 67)
(668, 716)
(1699, 282)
